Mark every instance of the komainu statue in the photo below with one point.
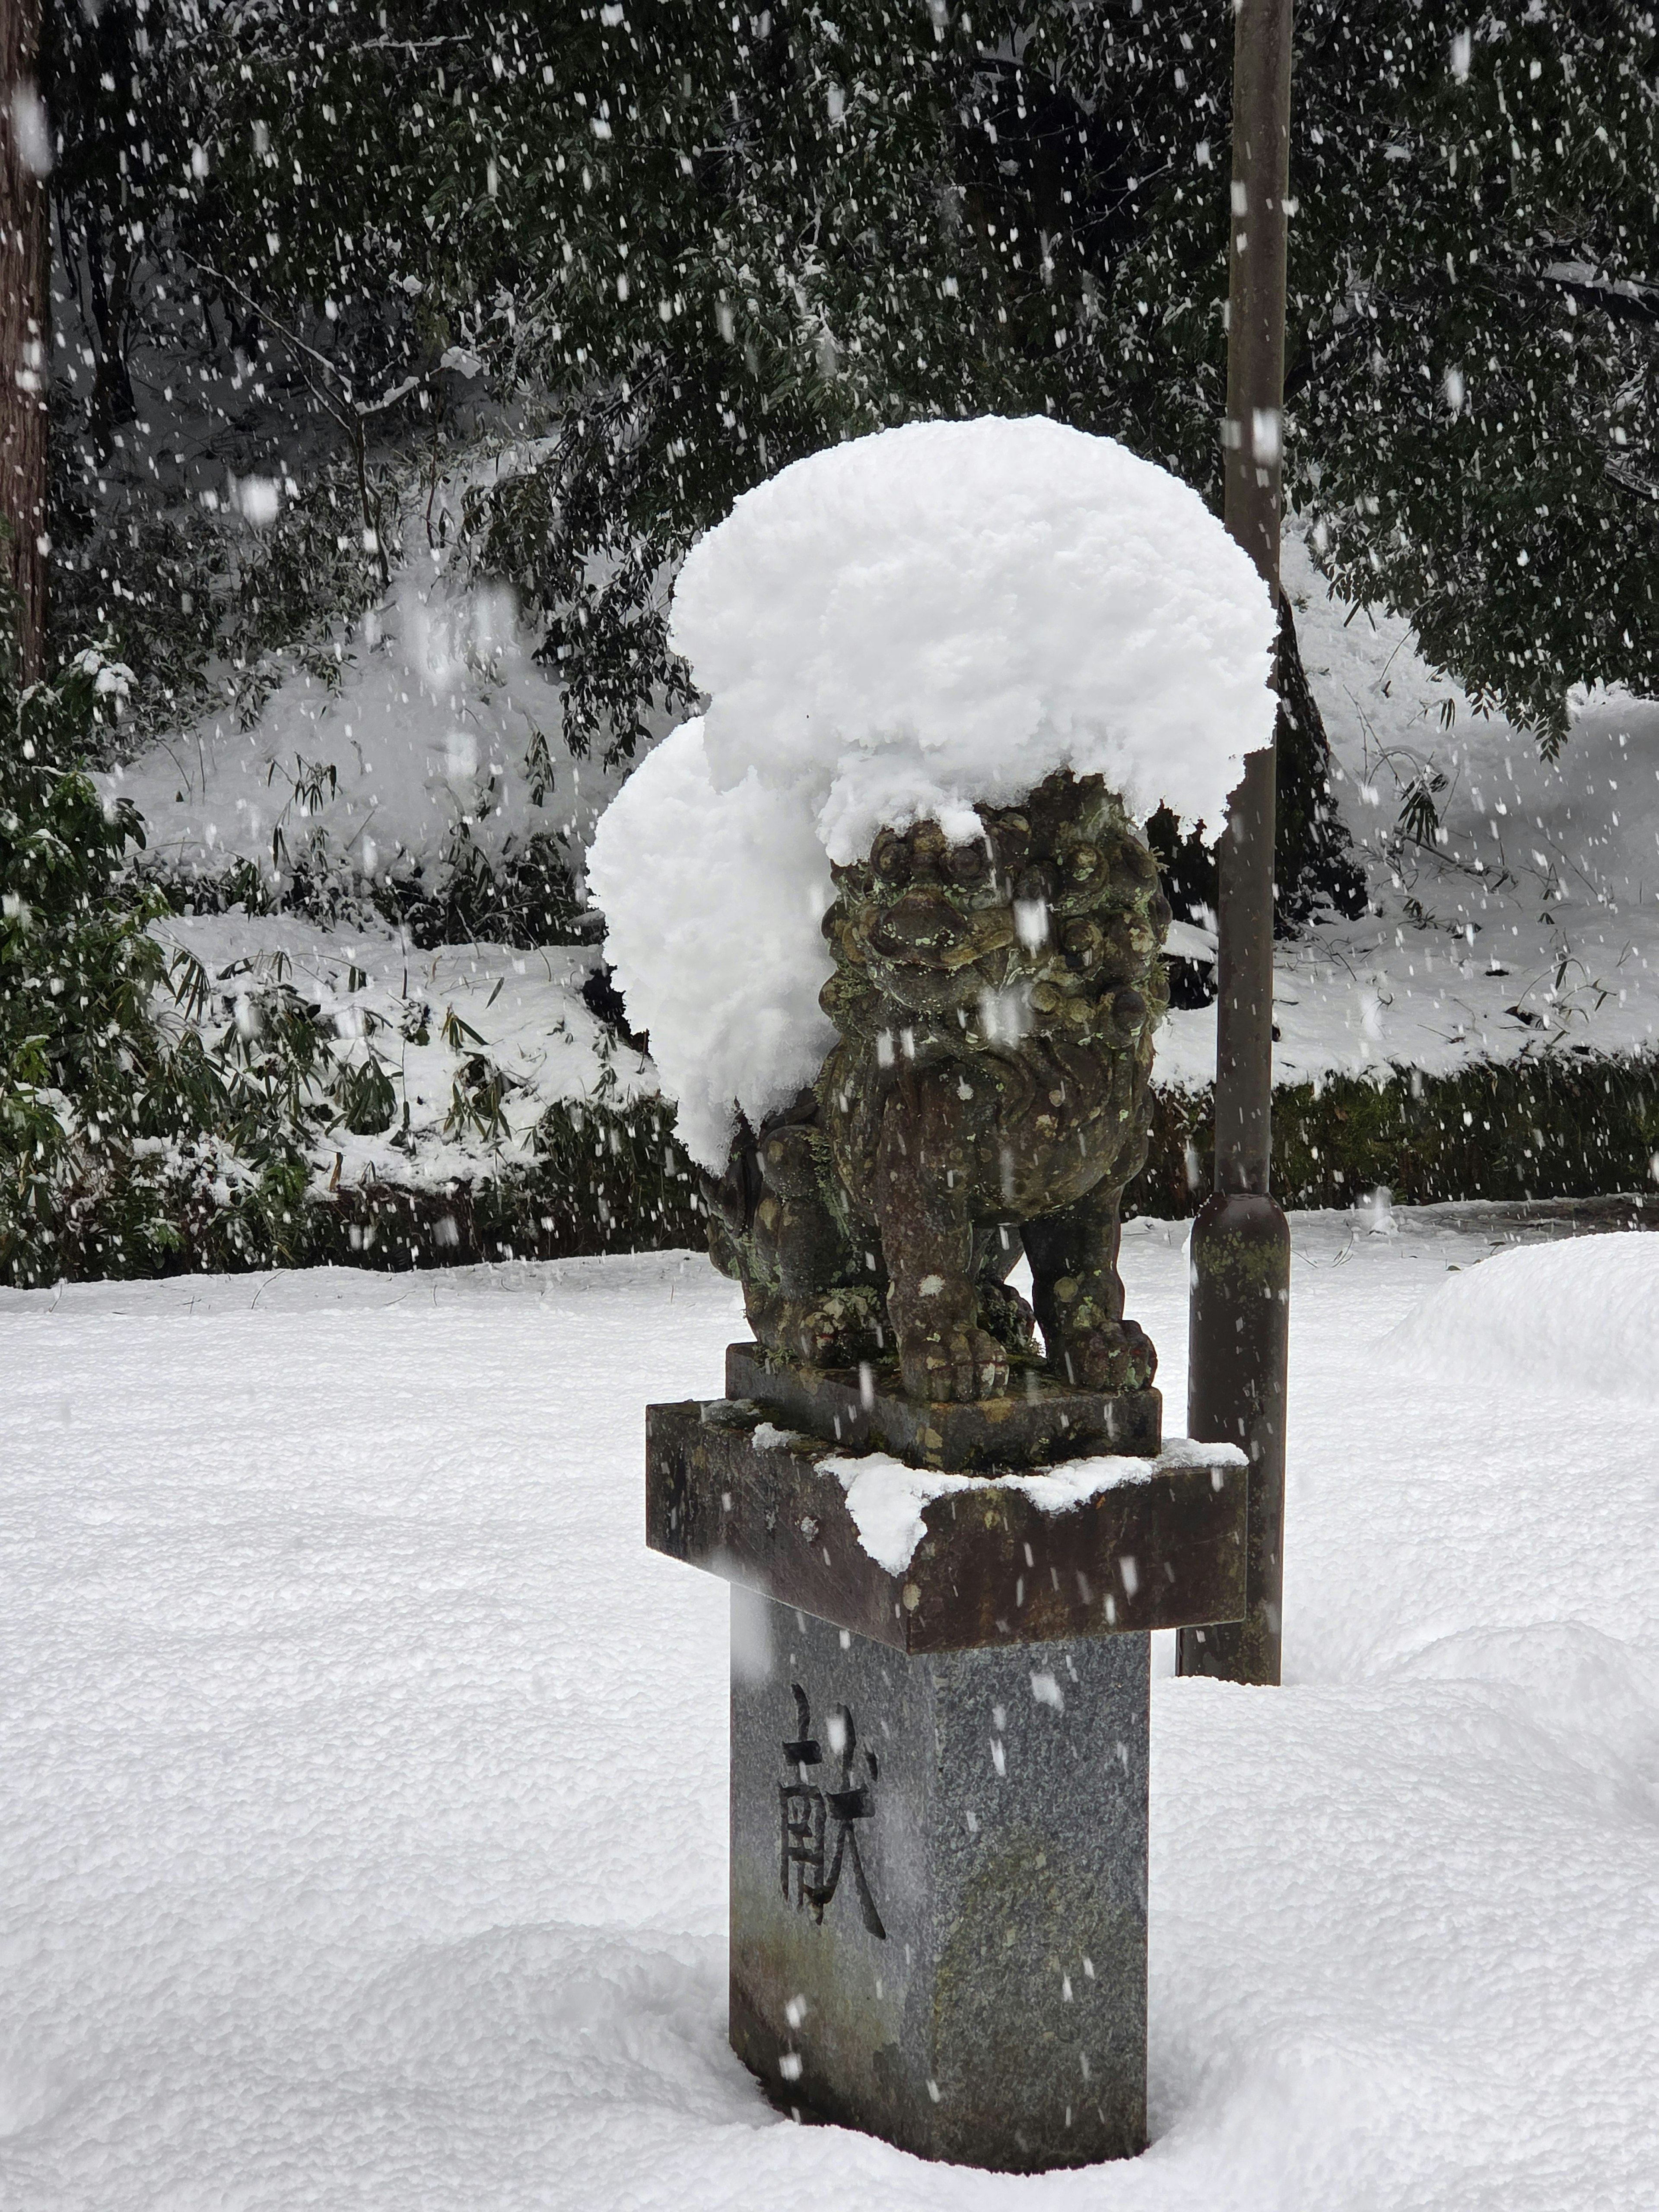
(995, 1002)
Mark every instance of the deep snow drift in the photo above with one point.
(892, 630)
(364, 1827)
(1583, 1315)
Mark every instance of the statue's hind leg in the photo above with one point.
(928, 1239)
(1079, 1296)
(812, 1286)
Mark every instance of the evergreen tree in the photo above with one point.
(699, 244)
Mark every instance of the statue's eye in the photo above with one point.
(890, 857)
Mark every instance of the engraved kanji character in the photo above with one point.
(801, 1809)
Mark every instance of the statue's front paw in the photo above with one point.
(1008, 1319)
(952, 1365)
(833, 1331)
(1116, 1357)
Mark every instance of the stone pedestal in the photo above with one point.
(1039, 1423)
(938, 1768)
(939, 1888)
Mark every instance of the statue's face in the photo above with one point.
(1054, 922)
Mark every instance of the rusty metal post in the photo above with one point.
(1241, 1247)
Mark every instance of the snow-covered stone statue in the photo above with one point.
(885, 910)
(888, 916)
(995, 1002)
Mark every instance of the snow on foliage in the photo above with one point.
(891, 631)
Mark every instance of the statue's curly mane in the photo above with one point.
(995, 1002)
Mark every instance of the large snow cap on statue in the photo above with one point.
(890, 631)
(950, 611)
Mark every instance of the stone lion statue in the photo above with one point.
(995, 1002)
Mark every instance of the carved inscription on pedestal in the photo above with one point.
(817, 1835)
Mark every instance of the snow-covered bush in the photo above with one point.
(84, 1071)
(147, 1110)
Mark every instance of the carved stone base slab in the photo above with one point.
(938, 1870)
(1040, 1424)
(1008, 1560)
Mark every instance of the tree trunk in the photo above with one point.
(1313, 853)
(113, 401)
(25, 327)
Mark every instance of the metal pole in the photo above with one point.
(1241, 1249)
(25, 348)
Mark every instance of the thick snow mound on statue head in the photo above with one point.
(712, 902)
(891, 631)
(951, 611)
(1583, 1315)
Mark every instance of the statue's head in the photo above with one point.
(949, 668)
(1052, 920)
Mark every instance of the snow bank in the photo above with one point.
(1583, 1315)
(891, 630)
(1533, 927)
(428, 721)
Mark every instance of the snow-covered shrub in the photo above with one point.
(82, 1069)
(134, 1134)
(1559, 1126)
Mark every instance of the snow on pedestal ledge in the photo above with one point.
(891, 630)
(886, 1498)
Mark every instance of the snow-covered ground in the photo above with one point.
(426, 719)
(363, 1828)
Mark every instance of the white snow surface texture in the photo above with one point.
(888, 631)
(364, 1817)
(712, 903)
(1551, 1317)
(887, 1498)
(950, 611)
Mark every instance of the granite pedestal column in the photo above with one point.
(939, 1765)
